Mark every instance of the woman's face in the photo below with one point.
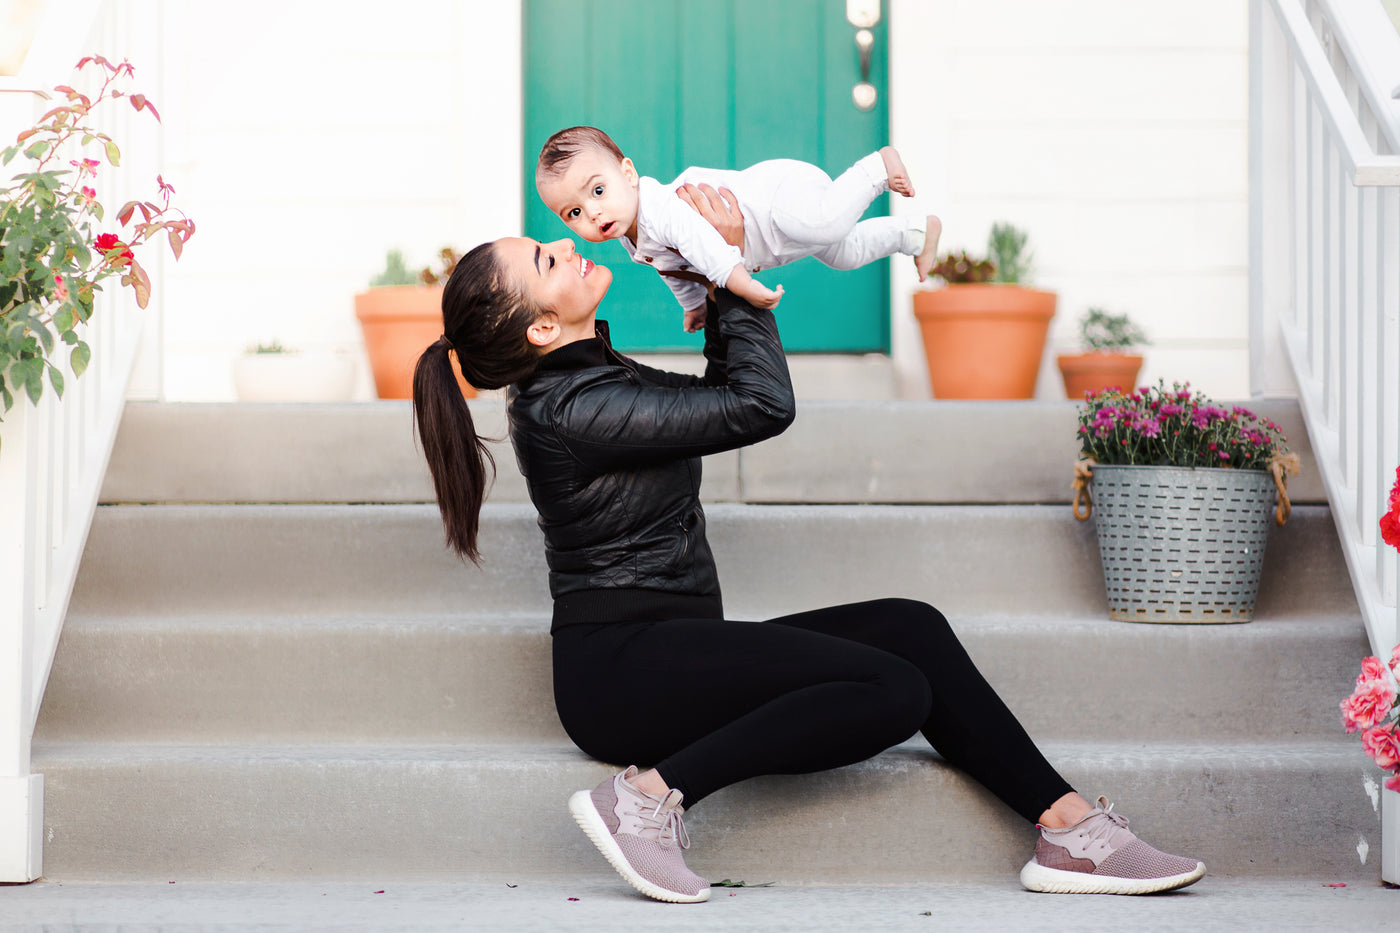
(557, 279)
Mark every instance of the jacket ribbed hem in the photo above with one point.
(632, 605)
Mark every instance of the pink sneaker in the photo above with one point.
(642, 836)
(1100, 855)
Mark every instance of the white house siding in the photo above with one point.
(307, 140)
(1116, 134)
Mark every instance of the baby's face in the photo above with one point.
(596, 196)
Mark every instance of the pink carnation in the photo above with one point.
(1393, 782)
(1372, 669)
(1383, 745)
(1395, 657)
(1368, 706)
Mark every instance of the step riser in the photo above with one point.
(966, 452)
(900, 817)
(389, 560)
(280, 681)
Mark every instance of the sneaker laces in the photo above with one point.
(1104, 829)
(665, 818)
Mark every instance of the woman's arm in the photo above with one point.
(610, 420)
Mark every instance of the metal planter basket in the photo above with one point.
(1182, 544)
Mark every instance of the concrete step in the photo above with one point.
(917, 452)
(488, 679)
(379, 560)
(590, 900)
(424, 813)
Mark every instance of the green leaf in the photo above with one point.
(80, 358)
(114, 154)
(5, 394)
(45, 338)
(29, 373)
(63, 320)
(56, 379)
(8, 155)
(37, 150)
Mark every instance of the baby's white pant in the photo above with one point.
(811, 208)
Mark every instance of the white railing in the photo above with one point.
(52, 460)
(1325, 272)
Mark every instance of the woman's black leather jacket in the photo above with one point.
(611, 450)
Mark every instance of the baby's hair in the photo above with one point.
(559, 150)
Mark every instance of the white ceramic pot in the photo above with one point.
(293, 377)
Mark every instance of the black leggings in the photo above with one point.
(709, 702)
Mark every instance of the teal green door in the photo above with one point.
(722, 84)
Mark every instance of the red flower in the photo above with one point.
(60, 291)
(1390, 521)
(107, 242)
(89, 194)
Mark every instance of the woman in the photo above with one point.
(646, 667)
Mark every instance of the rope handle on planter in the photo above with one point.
(1280, 466)
(1083, 500)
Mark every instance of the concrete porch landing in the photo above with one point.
(604, 902)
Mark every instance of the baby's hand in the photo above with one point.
(767, 297)
(694, 319)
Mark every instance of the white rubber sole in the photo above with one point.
(1036, 877)
(591, 822)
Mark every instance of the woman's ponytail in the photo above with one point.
(485, 323)
(457, 458)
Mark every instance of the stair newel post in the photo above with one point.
(21, 793)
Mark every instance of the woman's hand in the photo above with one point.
(719, 208)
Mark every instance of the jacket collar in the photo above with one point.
(582, 354)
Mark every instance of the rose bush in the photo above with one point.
(52, 261)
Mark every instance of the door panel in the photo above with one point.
(724, 84)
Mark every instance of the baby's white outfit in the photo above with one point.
(791, 209)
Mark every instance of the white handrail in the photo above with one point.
(52, 460)
(1325, 270)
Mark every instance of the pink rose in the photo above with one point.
(1383, 745)
(1368, 706)
(60, 290)
(1395, 657)
(1393, 782)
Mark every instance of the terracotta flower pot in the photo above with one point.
(984, 341)
(1090, 372)
(399, 322)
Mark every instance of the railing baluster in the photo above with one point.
(1348, 348)
(1369, 350)
(1388, 430)
(1316, 220)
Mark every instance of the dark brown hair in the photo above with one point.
(559, 150)
(484, 319)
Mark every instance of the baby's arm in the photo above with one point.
(752, 290)
(720, 209)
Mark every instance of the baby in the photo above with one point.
(791, 209)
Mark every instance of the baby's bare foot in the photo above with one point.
(897, 173)
(927, 259)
